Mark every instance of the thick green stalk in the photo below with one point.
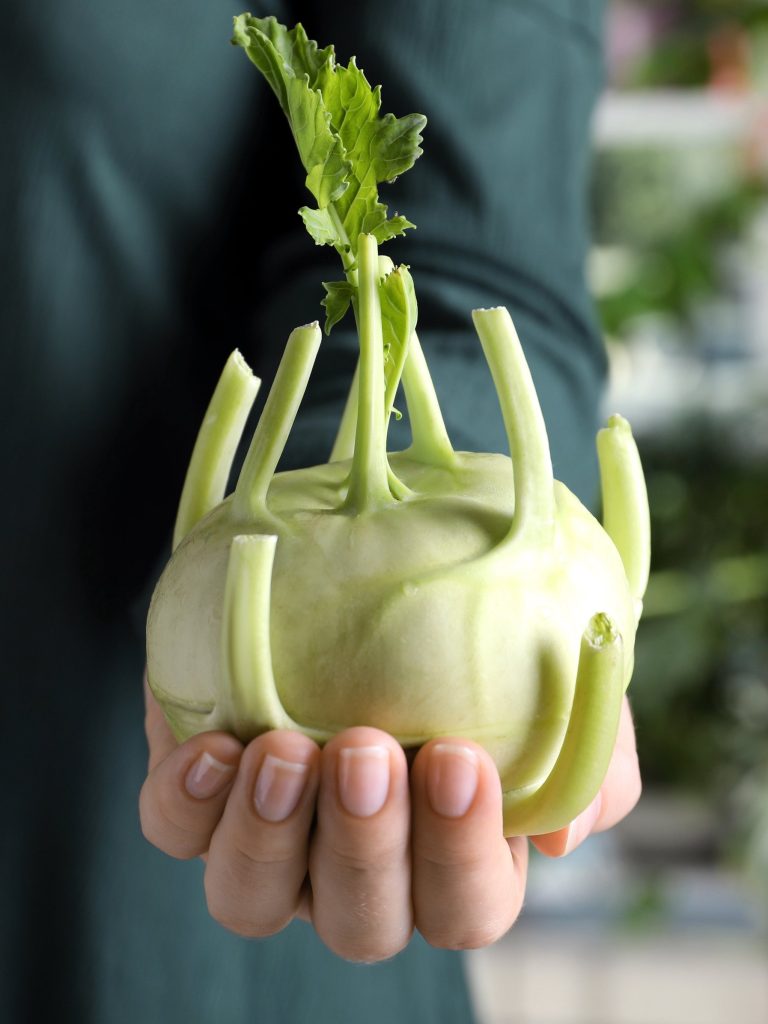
(580, 768)
(626, 518)
(275, 423)
(254, 704)
(251, 697)
(534, 515)
(368, 486)
(216, 444)
(430, 441)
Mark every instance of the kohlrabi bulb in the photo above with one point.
(427, 592)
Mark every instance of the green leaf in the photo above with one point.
(398, 320)
(390, 228)
(346, 146)
(319, 224)
(321, 152)
(338, 296)
(280, 53)
(291, 64)
(378, 149)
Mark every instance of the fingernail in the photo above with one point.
(582, 825)
(363, 779)
(279, 787)
(207, 777)
(452, 777)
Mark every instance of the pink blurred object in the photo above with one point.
(630, 34)
(632, 30)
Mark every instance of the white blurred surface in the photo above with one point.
(550, 976)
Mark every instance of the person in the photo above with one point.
(149, 190)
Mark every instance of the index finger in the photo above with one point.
(160, 739)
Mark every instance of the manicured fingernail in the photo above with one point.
(363, 779)
(279, 787)
(207, 776)
(582, 825)
(452, 778)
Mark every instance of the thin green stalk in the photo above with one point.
(216, 444)
(430, 441)
(345, 250)
(534, 515)
(344, 445)
(276, 421)
(368, 486)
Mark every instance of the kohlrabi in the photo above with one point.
(427, 592)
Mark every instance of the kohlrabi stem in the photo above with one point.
(247, 660)
(275, 423)
(534, 514)
(344, 445)
(251, 691)
(368, 486)
(345, 250)
(216, 444)
(590, 737)
(430, 442)
(626, 518)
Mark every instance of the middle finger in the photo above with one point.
(359, 862)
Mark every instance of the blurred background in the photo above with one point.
(665, 919)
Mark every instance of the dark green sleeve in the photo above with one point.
(148, 197)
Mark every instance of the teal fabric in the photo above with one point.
(148, 192)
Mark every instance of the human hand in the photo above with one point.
(385, 853)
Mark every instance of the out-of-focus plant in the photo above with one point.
(675, 253)
(701, 685)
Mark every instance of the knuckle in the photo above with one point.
(360, 859)
(453, 858)
(156, 818)
(255, 858)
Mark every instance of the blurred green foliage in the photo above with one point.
(669, 219)
(675, 241)
(700, 690)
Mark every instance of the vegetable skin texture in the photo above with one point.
(426, 592)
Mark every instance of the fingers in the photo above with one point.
(257, 859)
(618, 794)
(468, 881)
(184, 794)
(359, 860)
